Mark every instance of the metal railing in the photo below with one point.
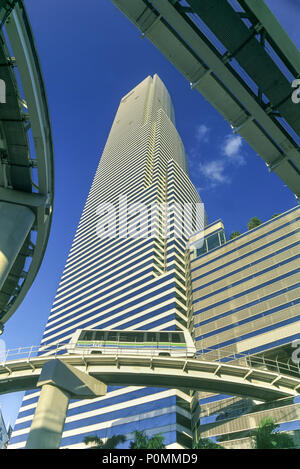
(62, 348)
(211, 355)
(253, 361)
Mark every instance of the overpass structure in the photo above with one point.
(236, 54)
(62, 376)
(26, 159)
(22, 371)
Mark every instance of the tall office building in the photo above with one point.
(246, 300)
(127, 282)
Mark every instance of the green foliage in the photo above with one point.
(253, 223)
(234, 234)
(206, 443)
(111, 443)
(267, 436)
(141, 441)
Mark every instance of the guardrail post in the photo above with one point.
(6, 355)
(30, 352)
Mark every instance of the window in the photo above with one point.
(201, 250)
(163, 337)
(86, 335)
(151, 337)
(112, 336)
(222, 237)
(129, 337)
(213, 241)
(99, 335)
(176, 338)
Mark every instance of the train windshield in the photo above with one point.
(132, 337)
(92, 335)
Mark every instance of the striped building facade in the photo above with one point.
(246, 300)
(127, 282)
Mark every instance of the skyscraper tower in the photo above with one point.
(123, 281)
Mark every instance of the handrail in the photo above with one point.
(211, 355)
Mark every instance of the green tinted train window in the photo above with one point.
(112, 336)
(99, 335)
(178, 338)
(86, 335)
(163, 337)
(129, 337)
(151, 337)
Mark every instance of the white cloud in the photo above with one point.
(214, 171)
(194, 153)
(232, 149)
(202, 132)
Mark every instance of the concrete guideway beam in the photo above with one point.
(211, 74)
(28, 199)
(16, 222)
(287, 48)
(60, 382)
(87, 377)
(228, 378)
(27, 176)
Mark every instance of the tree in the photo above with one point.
(206, 443)
(234, 234)
(111, 443)
(253, 223)
(266, 436)
(142, 441)
(275, 215)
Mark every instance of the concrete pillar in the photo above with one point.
(49, 418)
(60, 382)
(15, 224)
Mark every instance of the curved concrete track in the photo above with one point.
(23, 374)
(26, 160)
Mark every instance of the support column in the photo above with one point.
(15, 223)
(60, 382)
(49, 418)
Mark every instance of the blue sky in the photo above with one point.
(91, 56)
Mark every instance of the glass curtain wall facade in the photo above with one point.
(126, 282)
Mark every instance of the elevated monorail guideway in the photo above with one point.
(236, 54)
(125, 368)
(26, 159)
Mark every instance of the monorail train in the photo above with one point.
(159, 343)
